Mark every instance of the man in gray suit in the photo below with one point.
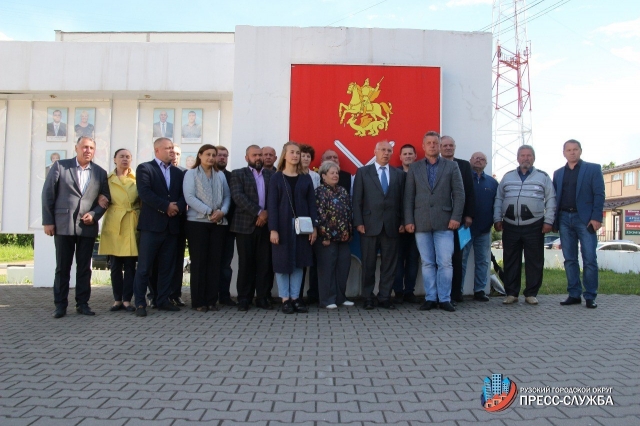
(162, 128)
(70, 214)
(377, 215)
(433, 205)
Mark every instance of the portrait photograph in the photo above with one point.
(192, 125)
(51, 156)
(188, 159)
(85, 119)
(163, 120)
(57, 119)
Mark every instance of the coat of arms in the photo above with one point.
(366, 116)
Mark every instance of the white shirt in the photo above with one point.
(84, 175)
(379, 170)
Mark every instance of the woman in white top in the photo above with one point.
(207, 193)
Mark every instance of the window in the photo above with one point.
(638, 179)
(629, 178)
(616, 176)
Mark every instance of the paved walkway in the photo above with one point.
(347, 366)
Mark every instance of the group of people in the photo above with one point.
(288, 220)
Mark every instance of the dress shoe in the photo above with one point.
(411, 298)
(368, 304)
(228, 302)
(457, 298)
(571, 301)
(348, 303)
(168, 307)
(177, 301)
(141, 311)
(129, 308)
(116, 308)
(59, 312)
(447, 306)
(331, 306)
(428, 305)
(531, 300)
(480, 296)
(263, 304)
(201, 309)
(386, 304)
(84, 310)
(287, 307)
(213, 308)
(591, 303)
(299, 306)
(398, 299)
(311, 300)
(510, 300)
(243, 305)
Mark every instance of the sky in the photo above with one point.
(584, 68)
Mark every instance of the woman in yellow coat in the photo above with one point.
(119, 238)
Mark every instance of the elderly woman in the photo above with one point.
(334, 233)
(84, 128)
(119, 238)
(207, 193)
(290, 195)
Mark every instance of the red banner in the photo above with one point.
(350, 108)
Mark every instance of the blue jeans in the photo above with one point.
(572, 230)
(481, 254)
(289, 284)
(436, 248)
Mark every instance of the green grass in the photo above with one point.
(14, 253)
(555, 282)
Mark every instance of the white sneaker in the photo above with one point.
(348, 303)
(332, 306)
(531, 300)
(510, 300)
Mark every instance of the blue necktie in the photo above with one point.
(383, 180)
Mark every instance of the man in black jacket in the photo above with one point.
(448, 150)
(224, 295)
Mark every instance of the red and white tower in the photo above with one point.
(511, 93)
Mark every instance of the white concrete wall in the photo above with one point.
(264, 55)
(145, 37)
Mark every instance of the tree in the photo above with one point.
(611, 165)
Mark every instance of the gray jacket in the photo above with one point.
(524, 203)
(63, 204)
(431, 209)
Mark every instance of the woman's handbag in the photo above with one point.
(303, 224)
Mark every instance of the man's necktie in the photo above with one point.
(163, 130)
(383, 180)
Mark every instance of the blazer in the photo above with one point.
(157, 130)
(469, 193)
(431, 209)
(371, 207)
(64, 204)
(62, 129)
(155, 198)
(589, 192)
(232, 206)
(244, 194)
(119, 236)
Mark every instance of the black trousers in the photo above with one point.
(226, 272)
(515, 239)
(176, 279)
(205, 249)
(160, 246)
(255, 273)
(456, 261)
(66, 247)
(122, 284)
(388, 262)
(334, 263)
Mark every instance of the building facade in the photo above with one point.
(622, 202)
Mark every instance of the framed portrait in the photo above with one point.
(51, 156)
(192, 125)
(57, 119)
(85, 121)
(188, 159)
(163, 120)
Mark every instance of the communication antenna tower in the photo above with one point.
(511, 92)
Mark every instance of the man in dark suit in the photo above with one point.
(249, 190)
(56, 127)
(70, 214)
(433, 204)
(160, 189)
(378, 191)
(580, 199)
(448, 150)
(228, 249)
(162, 128)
